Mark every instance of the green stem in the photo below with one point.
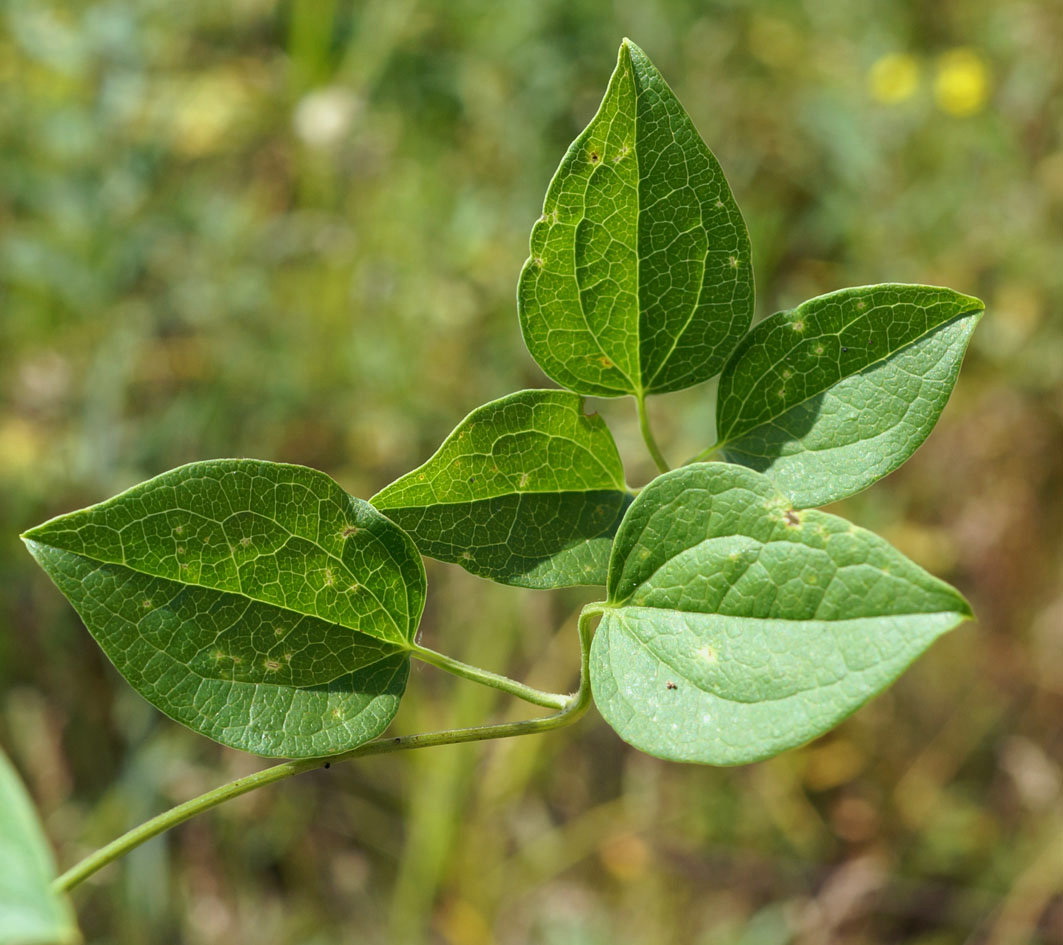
(706, 453)
(647, 433)
(573, 707)
(549, 700)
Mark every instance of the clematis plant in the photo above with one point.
(262, 606)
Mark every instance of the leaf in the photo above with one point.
(830, 397)
(864, 427)
(30, 913)
(737, 628)
(528, 490)
(257, 603)
(639, 279)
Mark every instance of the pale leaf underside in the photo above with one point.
(737, 627)
(30, 913)
(828, 398)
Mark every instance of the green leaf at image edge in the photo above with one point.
(257, 603)
(527, 490)
(737, 627)
(30, 912)
(832, 396)
(639, 279)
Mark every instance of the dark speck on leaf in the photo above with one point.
(328, 764)
(670, 685)
(844, 348)
(472, 479)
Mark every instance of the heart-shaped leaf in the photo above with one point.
(30, 912)
(528, 490)
(639, 279)
(737, 627)
(257, 603)
(830, 397)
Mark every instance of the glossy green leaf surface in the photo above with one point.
(528, 490)
(828, 398)
(736, 627)
(639, 279)
(257, 603)
(30, 913)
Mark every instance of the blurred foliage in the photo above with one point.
(293, 230)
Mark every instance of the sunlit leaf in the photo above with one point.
(257, 603)
(639, 279)
(30, 913)
(830, 397)
(528, 490)
(736, 627)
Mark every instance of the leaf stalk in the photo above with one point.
(548, 700)
(571, 707)
(647, 433)
(707, 453)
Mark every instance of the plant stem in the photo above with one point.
(571, 708)
(647, 433)
(706, 453)
(549, 700)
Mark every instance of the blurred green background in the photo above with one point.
(293, 230)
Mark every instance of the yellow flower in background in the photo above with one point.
(893, 78)
(774, 41)
(962, 83)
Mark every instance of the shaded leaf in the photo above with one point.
(828, 398)
(30, 913)
(864, 427)
(257, 603)
(737, 628)
(639, 279)
(527, 490)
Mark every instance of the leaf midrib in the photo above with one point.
(502, 495)
(660, 657)
(614, 482)
(244, 682)
(583, 216)
(400, 642)
(761, 546)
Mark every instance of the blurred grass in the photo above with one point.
(293, 230)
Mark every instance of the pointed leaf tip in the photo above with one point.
(639, 279)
